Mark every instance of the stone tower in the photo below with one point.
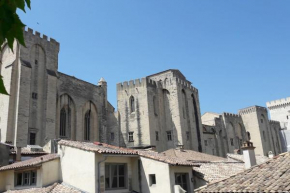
(258, 128)
(27, 116)
(280, 111)
(160, 110)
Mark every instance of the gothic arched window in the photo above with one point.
(132, 104)
(87, 125)
(62, 131)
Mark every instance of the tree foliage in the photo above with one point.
(11, 27)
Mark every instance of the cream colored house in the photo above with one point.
(99, 167)
(37, 172)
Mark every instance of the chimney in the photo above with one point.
(249, 154)
(18, 154)
(180, 147)
(270, 154)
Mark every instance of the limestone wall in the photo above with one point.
(80, 97)
(280, 111)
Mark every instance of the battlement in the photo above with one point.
(252, 109)
(135, 83)
(278, 103)
(231, 115)
(186, 84)
(43, 37)
(274, 122)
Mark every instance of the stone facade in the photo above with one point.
(45, 104)
(160, 110)
(252, 123)
(280, 111)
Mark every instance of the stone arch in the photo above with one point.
(66, 106)
(221, 139)
(231, 137)
(196, 117)
(90, 114)
(184, 105)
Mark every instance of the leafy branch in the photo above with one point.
(11, 27)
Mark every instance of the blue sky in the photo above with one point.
(236, 52)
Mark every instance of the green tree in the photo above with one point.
(11, 27)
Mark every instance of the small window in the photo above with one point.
(112, 136)
(34, 95)
(287, 117)
(205, 142)
(169, 135)
(32, 138)
(131, 138)
(152, 179)
(187, 135)
(157, 135)
(262, 120)
(232, 142)
(132, 104)
(27, 178)
(36, 61)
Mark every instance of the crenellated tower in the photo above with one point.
(30, 75)
(160, 110)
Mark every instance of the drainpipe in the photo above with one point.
(99, 175)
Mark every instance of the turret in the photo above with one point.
(103, 83)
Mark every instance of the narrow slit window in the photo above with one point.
(87, 125)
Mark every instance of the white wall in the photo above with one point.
(78, 168)
(161, 171)
(50, 172)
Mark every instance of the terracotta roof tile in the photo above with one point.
(27, 151)
(110, 149)
(30, 162)
(193, 155)
(272, 175)
(55, 188)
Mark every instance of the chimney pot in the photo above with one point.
(249, 154)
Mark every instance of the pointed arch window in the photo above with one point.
(87, 125)
(62, 131)
(132, 104)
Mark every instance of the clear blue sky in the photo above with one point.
(236, 52)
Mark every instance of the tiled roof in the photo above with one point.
(259, 158)
(212, 168)
(110, 149)
(271, 176)
(55, 188)
(167, 159)
(98, 147)
(30, 162)
(193, 156)
(216, 171)
(27, 151)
